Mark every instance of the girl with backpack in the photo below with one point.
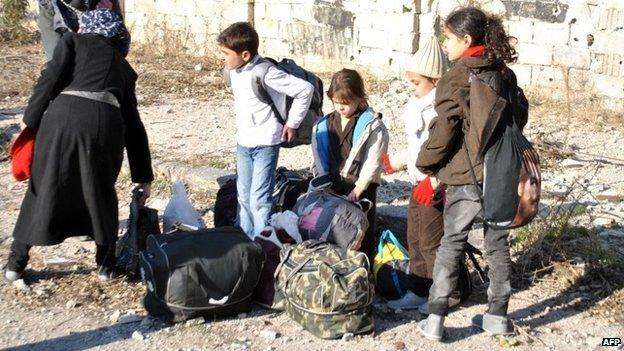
(424, 222)
(480, 48)
(347, 145)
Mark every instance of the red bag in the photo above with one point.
(22, 152)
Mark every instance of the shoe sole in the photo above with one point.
(489, 332)
(408, 308)
(429, 336)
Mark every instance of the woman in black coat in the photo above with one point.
(87, 94)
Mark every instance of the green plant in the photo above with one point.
(13, 14)
(213, 161)
(161, 185)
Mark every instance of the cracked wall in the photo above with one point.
(578, 41)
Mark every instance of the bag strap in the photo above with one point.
(472, 172)
(258, 73)
(473, 75)
(319, 183)
(388, 235)
(367, 202)
(513, 100)
(382, 241)
(287, 250)
(396, 282)
(294, 271)
(471, 251)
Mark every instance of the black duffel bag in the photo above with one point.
(142, 222)
(207, 273)
(289, 185)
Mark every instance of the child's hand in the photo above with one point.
(387, 166)
(423, 192)
(355, 194)
(288, 134)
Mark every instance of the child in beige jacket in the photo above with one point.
(424, 224)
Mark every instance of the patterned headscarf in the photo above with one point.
(109, 24)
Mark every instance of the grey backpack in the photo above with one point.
(304, 132)
(325, 216)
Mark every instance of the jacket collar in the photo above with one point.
(475, 62)
(249, 65)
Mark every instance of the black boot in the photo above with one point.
(18, 259)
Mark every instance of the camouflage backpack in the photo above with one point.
(327, 289)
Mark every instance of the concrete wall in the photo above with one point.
(196, 22)
(559, 41)
(380, 35)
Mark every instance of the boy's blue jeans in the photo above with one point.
(255, 170)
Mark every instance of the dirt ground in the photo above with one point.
(568, 284)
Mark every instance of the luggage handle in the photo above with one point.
(359, 203)
(324, 185)
(300, 266)
(364, 201)
(294, 271)
(387, 235)
(226, 298)
(221, 301)
(181, 227)
(288, 250)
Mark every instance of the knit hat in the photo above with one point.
(429, 60)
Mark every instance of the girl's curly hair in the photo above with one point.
(485, 30)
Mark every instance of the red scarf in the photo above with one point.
(474, 51)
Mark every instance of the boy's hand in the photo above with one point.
(288, 134)
(355, 194)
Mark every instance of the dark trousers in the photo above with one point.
(425, 227)
(18, 257)
(370, 194)
(462, 208)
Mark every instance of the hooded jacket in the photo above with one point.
(470, 116)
